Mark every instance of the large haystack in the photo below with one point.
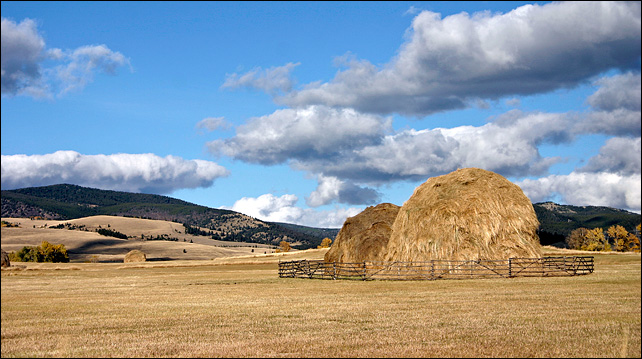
(135, 256)
(469, 214)
(363, 236)
(5, 259)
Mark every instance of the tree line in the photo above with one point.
(615, 238)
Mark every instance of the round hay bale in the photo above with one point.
(5, 259)
(364, 236)
(135, 256)
(469, 214)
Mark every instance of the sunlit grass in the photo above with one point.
(245, 310)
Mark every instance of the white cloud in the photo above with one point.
(456, 62)
(271, 80)
(347, 149)
(212, 123)
(619, 155)
(508, 145)
(618, 122)
(23, 53)
(597, 189)
(311, 132)
(412, 10)
(618, 92)
(449, 63)
(123, 172)
(331, 189)
(612, 178)
(271, 208)
(326, 192)
(82, 62)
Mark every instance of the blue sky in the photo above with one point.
(308, 112)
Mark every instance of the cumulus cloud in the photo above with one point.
(146, 173)
(619, 155)
(616, 107)
(582, 188)
(212, 123)
(617, 92)
(356, 147)
(449, 63)
(611, 178)
(347, 148)
(304, 133)
(270, 80)
(23, 54)
(271, 208)
(331, 189)
(508, 145)
(335, 130)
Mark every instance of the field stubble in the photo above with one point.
(245, 310)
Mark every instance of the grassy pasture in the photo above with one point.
(89, 245)
(238, 307)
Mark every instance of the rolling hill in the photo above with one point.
(65, 202)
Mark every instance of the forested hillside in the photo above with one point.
(557, 221)
(67, 201)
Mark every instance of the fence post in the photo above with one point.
(364, 270)
(510, 267)
(432, 269)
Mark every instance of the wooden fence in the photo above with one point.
(439, 269)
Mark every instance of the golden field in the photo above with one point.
(91, 246)
(239, 307)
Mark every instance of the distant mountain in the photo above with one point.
(67, 201)
(316, 232)
(558, 221)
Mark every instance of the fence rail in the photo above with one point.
(439, 269)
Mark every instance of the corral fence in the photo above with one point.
(439, 269)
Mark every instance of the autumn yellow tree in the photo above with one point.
(596, 241)
(577, 238)
(620, 238)
(325, 243)
(633, 240)
(285, 246)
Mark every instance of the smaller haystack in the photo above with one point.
(364, 236)
(5, 259)
(135, 256)
(469, 214)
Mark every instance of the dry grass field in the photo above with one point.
(239, 307)
(91, 246)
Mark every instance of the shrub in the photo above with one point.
(46, 252)
(325, 243)
(285, 247)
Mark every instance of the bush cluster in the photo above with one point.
(111, 233)
(45, 252)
